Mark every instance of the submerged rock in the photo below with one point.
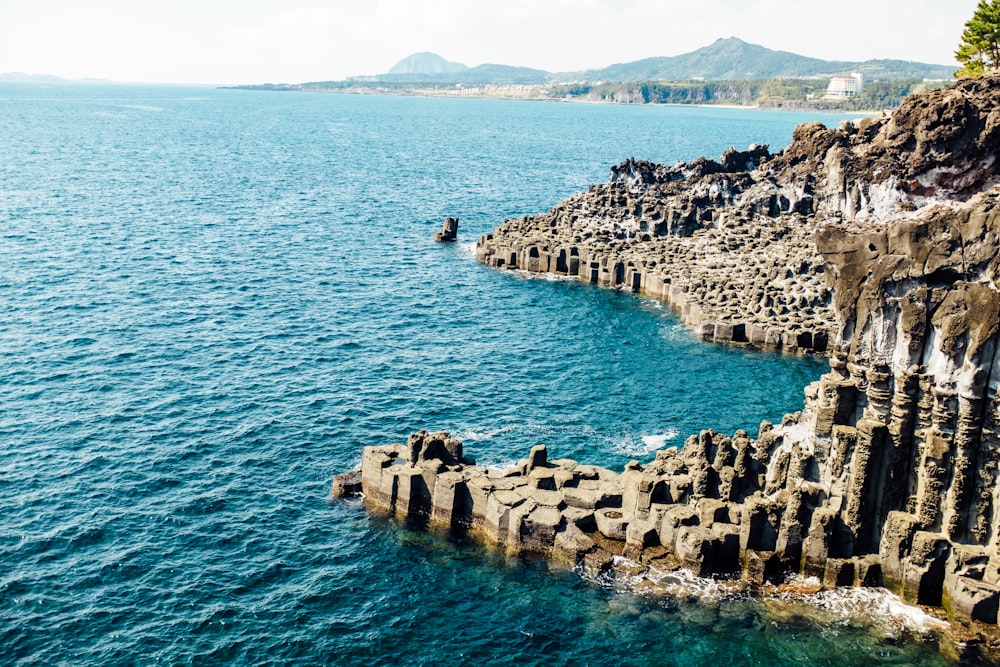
(878, 242)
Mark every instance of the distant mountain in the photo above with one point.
(21, 77)
(888, 70)
(733, 59)
(426, 63)
(724, 60)
(506, 74)
(481, 75)
(729, 59)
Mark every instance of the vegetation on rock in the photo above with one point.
(979, 50)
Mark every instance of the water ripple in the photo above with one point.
(210, 303)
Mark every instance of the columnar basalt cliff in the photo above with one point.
(729, 252)
(729, 244)
(881, 237)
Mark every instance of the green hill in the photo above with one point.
(735, 60)
(729, 59)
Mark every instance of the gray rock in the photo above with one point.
(877, 244)
(449, 231)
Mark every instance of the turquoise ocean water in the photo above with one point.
(211, 300)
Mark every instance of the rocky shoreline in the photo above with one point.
(875, 243)
(728, 253)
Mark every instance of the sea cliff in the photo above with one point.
(875, 243)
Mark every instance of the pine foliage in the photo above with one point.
(979, 50)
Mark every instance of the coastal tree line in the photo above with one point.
(772, 93)
(765, 93)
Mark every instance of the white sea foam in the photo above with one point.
(876, 604)
(496, 463)
(654, 442)
(628, 444)
(472, 435)
(875, 607)
(539, 432)
(547, 277)
(675, 331)
(622, 443)
(142, 107)
(532, 433)
(468, 248)
(556, 278)
(682, 584)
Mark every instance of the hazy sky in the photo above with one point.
(256, 41)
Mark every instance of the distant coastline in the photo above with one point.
(728, 72)
(889, 96)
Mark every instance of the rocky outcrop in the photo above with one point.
(729, 244)
(736, 262)
(449, 231)
(890, 474)
(914, 377)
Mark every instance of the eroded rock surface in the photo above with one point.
(881, 236)
(449, 231)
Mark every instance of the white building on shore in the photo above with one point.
(843, 87)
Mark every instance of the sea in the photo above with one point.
(211, 300)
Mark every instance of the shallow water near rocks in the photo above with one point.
(212, 300)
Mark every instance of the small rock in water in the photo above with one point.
(346, 484)
(449, 231)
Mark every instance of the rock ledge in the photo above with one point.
(879, 242)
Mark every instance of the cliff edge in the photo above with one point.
(730, 243)
(876, 242)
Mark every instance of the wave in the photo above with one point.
(795, 601)
(622, 443)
